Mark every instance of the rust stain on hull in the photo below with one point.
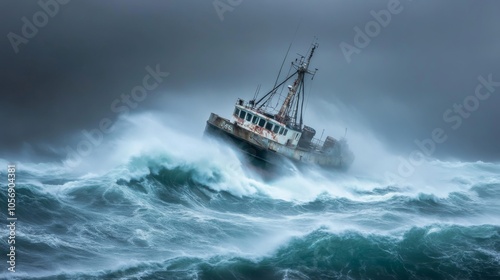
(256, 138)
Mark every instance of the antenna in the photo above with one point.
(256, 93)
(286, 55)
(295, 91)
(321, 137)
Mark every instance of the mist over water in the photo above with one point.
(151, 202)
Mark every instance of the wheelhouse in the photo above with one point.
(263, 125)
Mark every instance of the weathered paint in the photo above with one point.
(270, 140)
(249, 125)
(263, 139)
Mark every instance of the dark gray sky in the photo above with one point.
(427, 58)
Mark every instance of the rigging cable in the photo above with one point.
(286, 55)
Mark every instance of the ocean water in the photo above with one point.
(166, 213)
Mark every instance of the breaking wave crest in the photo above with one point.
(164, 211)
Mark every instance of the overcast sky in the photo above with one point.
(428, 57)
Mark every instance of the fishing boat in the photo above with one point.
(276, 134)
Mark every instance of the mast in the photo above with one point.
(302, 69)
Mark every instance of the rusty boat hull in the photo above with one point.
(265, 153)
(274, 135)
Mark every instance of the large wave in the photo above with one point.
(160, 204)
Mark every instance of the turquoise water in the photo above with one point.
(159, 217)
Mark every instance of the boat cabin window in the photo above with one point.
(236, 112)
(255, 119)
(249, 116)
(276, 128)
(242, 114)
(281, 130)
(286, 131)
(269, 126)
(262, 122)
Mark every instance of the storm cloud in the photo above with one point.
(402, 76)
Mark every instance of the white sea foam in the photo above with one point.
(142, 142)
(146, 227)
